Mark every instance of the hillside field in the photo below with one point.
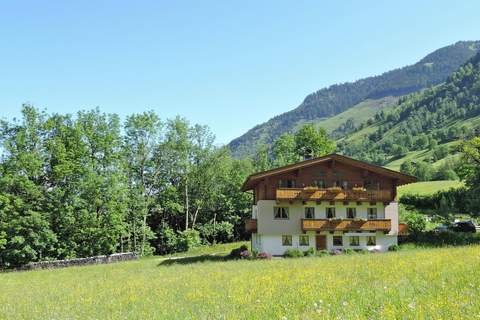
(417, 283)
(428, 187)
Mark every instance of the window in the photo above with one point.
(280, 213)
(336, 184)
(319, 184)
(354, 241)
(309, 212)
(286, 240)
(344, 185)
(286, 183)
(338, 241)
(371, 241)
(351, 213)
(330, 212)
(304, 240)
(372, 213)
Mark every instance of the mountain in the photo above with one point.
(375, 92)
(426, 126)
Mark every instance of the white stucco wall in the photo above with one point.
(273, 243)
(266, 224)
(270, 230)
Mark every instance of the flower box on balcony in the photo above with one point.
(309, 189)
(335, 189)
(358, 189)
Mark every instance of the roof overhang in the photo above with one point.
(255, 178)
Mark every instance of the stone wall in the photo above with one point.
(116, 257)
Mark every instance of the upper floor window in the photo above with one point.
(351, 213)
(286, 240)
(280, 213)
(320, 184)
(289, 183)
(330, 212)
(372, 213)
(304, 240)
(309, 212)
(354, 241)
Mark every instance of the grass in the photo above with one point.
(217, 249)
(419, 283)
(358, 113)
(428, 187)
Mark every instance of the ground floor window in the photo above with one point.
(371, 241)
(286, 240)
(338, 241)
(304, 240)
(354, 241)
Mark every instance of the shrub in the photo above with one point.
(264, 255)
(293, 253)
(416, 222)
(310, 252)
(220, 232)
(322, 253)
(245, 254)
(448, 238)
(188, 239)
(362, 251)
(236, 253)
(348, 251)
(393, 247)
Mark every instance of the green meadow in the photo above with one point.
(411, 284)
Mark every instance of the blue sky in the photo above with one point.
(230, 65)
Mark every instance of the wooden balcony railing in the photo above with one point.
(315, 194)
(345, 225)
(251, 225)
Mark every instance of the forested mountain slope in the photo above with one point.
(328, 102)
(423, 122)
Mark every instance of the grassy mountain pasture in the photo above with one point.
(358, 113)
(428, 187)
(413, 284)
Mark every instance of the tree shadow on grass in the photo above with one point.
(190, 260)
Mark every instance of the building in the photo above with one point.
(327, 203)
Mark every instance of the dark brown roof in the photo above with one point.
(253, 179)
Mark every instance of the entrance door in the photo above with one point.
(321, 242)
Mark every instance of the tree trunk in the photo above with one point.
(186, 204)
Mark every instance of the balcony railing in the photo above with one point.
(251, 225)
(346, 225)
(331, 194)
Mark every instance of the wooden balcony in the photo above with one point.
(251, 225)
(317, 194)
(346, 225)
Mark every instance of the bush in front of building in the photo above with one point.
(322, 253)
(264, 255)
(237, 252)
(310, 252)
(393, 247)
(293, 253)
(348, 251)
